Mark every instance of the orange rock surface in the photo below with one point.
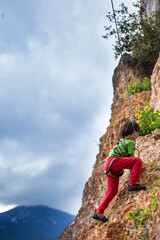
(119, 228)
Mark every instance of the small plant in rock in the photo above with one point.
(139, 86)
(94, 165)
(101, 139)
(139, 217)
(152, 193)
(154, 201)
(153, 165)
(148, 119)
(155, 184)
(112, 210)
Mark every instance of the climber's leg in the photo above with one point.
(133, 163)
(110, 194)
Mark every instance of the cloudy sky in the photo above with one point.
(55, 97)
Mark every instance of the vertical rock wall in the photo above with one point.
(150, 5)
(155, 82)
(83, 227)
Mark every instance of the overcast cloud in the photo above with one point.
(55, 97)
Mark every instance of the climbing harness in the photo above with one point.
(110, 174)
(118, 148)
(123, 142)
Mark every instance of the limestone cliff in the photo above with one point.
(150, 5)
(155, 98)
(85, 228)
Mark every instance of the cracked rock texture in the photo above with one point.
(84, 227)
(155, 81)
(150, 5)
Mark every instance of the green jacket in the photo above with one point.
(130, 148)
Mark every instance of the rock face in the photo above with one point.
(85, 228)
(150, 5)
(155, 81)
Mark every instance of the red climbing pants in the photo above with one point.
(133, 163)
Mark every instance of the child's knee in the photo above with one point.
(138, 162)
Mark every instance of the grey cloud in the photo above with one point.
(55, 92)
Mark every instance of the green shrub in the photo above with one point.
(139, 217)
(155, 184)
(148, 119)
(139, 36)
(139, 86)
(153, 165)
(154, 201)
(101, 139)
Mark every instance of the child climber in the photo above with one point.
(121, 157)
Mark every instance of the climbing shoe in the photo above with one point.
(136, 187)
(100, 217)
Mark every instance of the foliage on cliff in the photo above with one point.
(139, 86)
(139, 34)
(148, 119)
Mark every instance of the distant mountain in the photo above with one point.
(33, 223)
